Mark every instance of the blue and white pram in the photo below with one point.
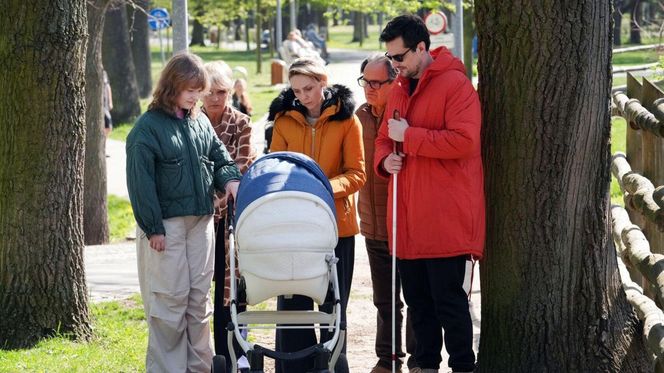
(286, 232)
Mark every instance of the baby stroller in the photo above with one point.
(286, 232)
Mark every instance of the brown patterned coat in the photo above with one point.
(234, 130)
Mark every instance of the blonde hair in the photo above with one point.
(308, 67)
(184, 70)
(220, 74)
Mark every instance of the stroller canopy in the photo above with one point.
(285, 227)
(283, 171)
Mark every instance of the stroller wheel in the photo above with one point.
(219, 364)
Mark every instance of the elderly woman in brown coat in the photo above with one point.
(234, 130)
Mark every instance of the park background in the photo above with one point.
(119, 332)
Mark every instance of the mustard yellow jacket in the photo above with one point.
(334, 142)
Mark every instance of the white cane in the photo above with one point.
(394, 256)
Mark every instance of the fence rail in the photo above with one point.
(637, 228)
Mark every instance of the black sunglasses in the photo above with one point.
(398, 57)
(375, 84)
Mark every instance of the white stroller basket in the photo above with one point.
(286, 234)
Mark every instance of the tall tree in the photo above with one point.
(635, 21)
(42, 134)
(551, 293)
(95, 212)
(139, 36)
(119, 63)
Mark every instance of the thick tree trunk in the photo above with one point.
(617, 21)
(551, 294)
(95, 212)
(197, 36)
(357, 26)
(119, 64)
(140, 46)
(42, 139)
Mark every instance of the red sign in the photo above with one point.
(436, 22)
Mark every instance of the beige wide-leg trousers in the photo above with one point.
(175, 286)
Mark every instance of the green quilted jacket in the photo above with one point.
(173, 167)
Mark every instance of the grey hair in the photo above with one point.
(377, 57)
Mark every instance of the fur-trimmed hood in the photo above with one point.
(336, 94)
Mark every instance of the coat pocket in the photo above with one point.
(172, 183)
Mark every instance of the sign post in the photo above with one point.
(158, 19)
(436, 23)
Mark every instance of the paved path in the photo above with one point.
(111, 269)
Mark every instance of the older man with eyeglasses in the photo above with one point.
(377, 78)
(440, 196)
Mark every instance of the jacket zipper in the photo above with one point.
(373, 189)
(193, 159)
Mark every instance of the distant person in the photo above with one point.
(377, 79)
(318, 120)
(107, 103)
(174, 163)
(318, 41)
(296, 47)
(241, 99)
(433, 117)
(234, 130)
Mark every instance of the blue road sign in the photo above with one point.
(159, 19)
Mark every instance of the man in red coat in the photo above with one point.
(433, 115)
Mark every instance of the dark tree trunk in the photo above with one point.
(357, 27)
(197, 36)
(140, 46)
(635, 21)
(95, 213)
(552, 300)
(42, 139)
(119, 64)
(617, 21)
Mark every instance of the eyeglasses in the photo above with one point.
(375, 84)
(398, 57)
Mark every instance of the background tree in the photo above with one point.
(42, 134)
(95, 212)
(119, 64)
(139, 36)
(551, 293)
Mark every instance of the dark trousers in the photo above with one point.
(290, 340)
(222, 315)
(380, 262)
(433, 290)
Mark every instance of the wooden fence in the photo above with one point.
(638, 228)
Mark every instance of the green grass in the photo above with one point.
(636, 57)
(341, 37)
(118, 345)
(120, 131)
(618, 144)
(120, 218)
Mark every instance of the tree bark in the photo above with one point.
(552, 299)
(357, 27)
(617, 21)
(140, 46)
(197, 37)
(635, 21)
(42, 138)
(95, 212)
(119, 64)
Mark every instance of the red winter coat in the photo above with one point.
(440, 204)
